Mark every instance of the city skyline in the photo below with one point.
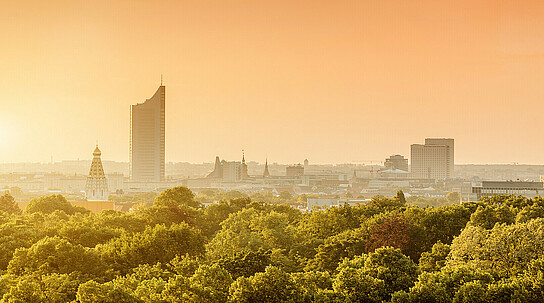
(345, 82)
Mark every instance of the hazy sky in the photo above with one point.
(331, 81)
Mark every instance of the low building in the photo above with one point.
(529, 189)
(395, 162)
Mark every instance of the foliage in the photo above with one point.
(178, 196)
(245, 250)
(154, 244)
(49, 204)
(273, 285)
(8, 204)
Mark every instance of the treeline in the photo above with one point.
(242, 250)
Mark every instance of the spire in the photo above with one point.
(161, 79)
(243, 157)
(266, 174)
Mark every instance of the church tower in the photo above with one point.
(97, 185)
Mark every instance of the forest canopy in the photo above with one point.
(245, 250)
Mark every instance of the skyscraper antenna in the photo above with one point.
(161, 79)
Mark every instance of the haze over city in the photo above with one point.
(343, 82)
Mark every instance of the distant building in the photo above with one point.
(97, 185)
(396, 162)
(294, 170)
(147, 124)
(306, 164)
(433, 160)
(116, 182)
(233, 171)
(527, 189)
(218, 169)
(323, 203)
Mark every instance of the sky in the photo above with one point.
(330, 81)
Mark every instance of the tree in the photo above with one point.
(394, 231)
(251, 230)
(8, 204)
(435, 259)
(386, 204)
(49, 204)
(444, 223)
(348, 244)
(453, 197)
(426, 289)
(15, 236)
(489, 215)
(387, 264)
(167, 214)
(504, 251)
(94, 292)
(399, 198)
(273, 285)
(329, 222)
(179, 196)
(246, 264)
(56, 255)
(285, 195)
(210, 284)
(155, 244)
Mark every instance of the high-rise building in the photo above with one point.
(396, 162)
(433, 160)
(147, 121)
(96, 187)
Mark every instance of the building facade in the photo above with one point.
(294, 170)
(96, 187)
(528, 189)
(232, 171)
(432, 160)
(147, 129)
(396, 162)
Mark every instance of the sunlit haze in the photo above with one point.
(331, 81)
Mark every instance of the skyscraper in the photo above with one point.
(147, 138)
(97, 185)
(433, 160)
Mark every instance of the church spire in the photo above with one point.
(266, 174)
(243, 157)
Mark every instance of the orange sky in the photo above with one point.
(331, 81)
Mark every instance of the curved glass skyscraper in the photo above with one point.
(147, 138)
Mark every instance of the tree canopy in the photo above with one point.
(246, 250)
